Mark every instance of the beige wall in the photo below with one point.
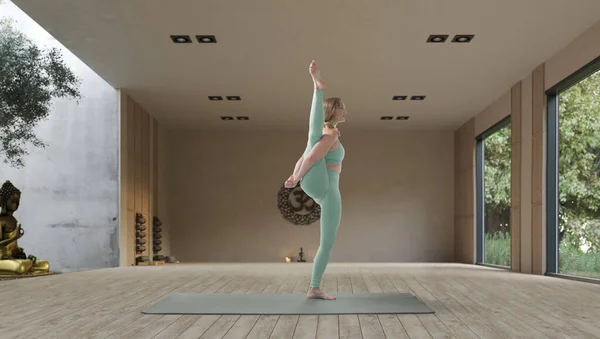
(492, 114)
(141, 178)
(397, 191)
(578, 53)
(530, 125)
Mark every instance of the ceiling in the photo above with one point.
(369, 51)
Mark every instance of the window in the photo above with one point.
(573, 214)
(493, 191)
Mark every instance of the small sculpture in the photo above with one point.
(301, 256)
(13, 259)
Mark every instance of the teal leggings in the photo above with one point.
(322, 185)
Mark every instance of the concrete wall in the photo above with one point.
(69, 207)
(397, 193)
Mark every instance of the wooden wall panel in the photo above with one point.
(515, 238)
(537, 168)
(129, 182)
(138, 159)
(538, 243)
(528, 176)
(538, 175)
(151, 198)
(145, 170)
(538, 100)
(515, 178)
(140, 181)
(526, 156)
(515, 113)
(130, 250)
(515, 175)
(155, 167)
(146, 181)
(130, 136)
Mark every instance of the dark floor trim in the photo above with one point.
(506, 268)
(573, 277)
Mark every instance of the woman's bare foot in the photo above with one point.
(317, 293)
(315, 72)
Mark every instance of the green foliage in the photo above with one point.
(497, 171)
(29, 79)
(579, 165)
(572, 260)
(579, 161)
(497, 248)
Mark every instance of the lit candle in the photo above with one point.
(288, 259)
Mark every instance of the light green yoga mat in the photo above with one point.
(239, 304)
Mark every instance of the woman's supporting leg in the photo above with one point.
(316, 182)
(331, 215)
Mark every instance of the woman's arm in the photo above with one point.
(298, 164)
(316, 153)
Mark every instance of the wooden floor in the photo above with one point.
(469, 301)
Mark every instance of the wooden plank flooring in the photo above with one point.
(469, 301)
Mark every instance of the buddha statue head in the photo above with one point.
(10, 198)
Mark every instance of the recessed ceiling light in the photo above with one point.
(243, 118)
(206, 39)
(399, 97)
(233, 98)
(215, 97)
(417, 97)
(181, 39)
(226, 118)
(402, 118)
(437, 38)
(463, 38)
(387, 118)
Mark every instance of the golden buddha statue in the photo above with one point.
(13, 260)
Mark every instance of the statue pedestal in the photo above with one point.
(13, 276)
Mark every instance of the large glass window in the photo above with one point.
(493, 195)
(574, 175)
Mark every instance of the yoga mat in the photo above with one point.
(255, 304)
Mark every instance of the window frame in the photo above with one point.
(480, 190)
(552, 184)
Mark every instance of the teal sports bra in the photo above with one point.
(335, 156)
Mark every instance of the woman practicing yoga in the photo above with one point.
(318, 173)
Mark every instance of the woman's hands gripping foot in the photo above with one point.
(317, 293)
(315, 72)
(292, 181)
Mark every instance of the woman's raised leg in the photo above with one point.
(316, 119)
(316, 182)
(317, 111)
